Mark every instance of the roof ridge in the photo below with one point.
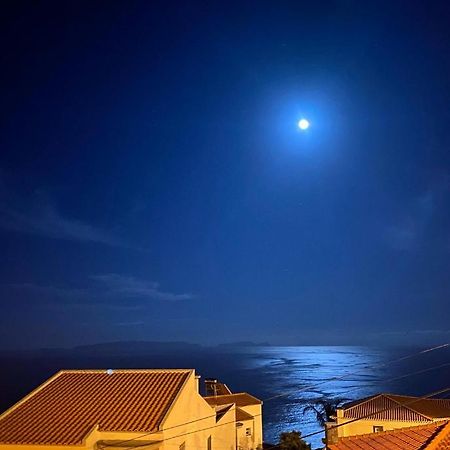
(151, 392)
(400, 395)
(122, 370)
(362, 401)
(409, 403)
(418, 398)
(410, 406)
(386, 395)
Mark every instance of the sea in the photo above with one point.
(286, 378)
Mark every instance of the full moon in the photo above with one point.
(303, 124)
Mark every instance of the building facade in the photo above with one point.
(249, 430)
(119, 410)
(385, 412)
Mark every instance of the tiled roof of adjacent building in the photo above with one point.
(434, 436)
(398, 407)
(241, 399)
(70, 404)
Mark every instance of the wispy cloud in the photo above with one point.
(125, 286)
(50, 223)
(46, 221)
(113, 291)
(39, 216)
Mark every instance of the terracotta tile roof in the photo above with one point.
(422, 410)
(69, 405)
(435, 408)
(241, 399)
(413, 438)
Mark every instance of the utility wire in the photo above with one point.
(307, 435)
(408, 403)
(120, 442)
(403, 358)
(172, 437)
(342, 377)
(401, 377)
(400, 404)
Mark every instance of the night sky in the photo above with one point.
(154, 184)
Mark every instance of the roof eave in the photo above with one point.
(31, 394)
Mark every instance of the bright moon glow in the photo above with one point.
(303, 124)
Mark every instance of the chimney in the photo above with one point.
(197, 383)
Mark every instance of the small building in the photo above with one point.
(119, 410)
(249, 432)
(385, 412)
(434, 436)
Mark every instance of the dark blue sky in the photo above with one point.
(154, 184)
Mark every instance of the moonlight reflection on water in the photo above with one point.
(290, 377)
(285, 378)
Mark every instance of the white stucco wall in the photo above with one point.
(192, 421)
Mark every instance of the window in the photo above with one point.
(248, 431)
(209, 443)
(377, 428)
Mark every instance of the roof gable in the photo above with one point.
(434, 408)
(396, 407)
(66, 408)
